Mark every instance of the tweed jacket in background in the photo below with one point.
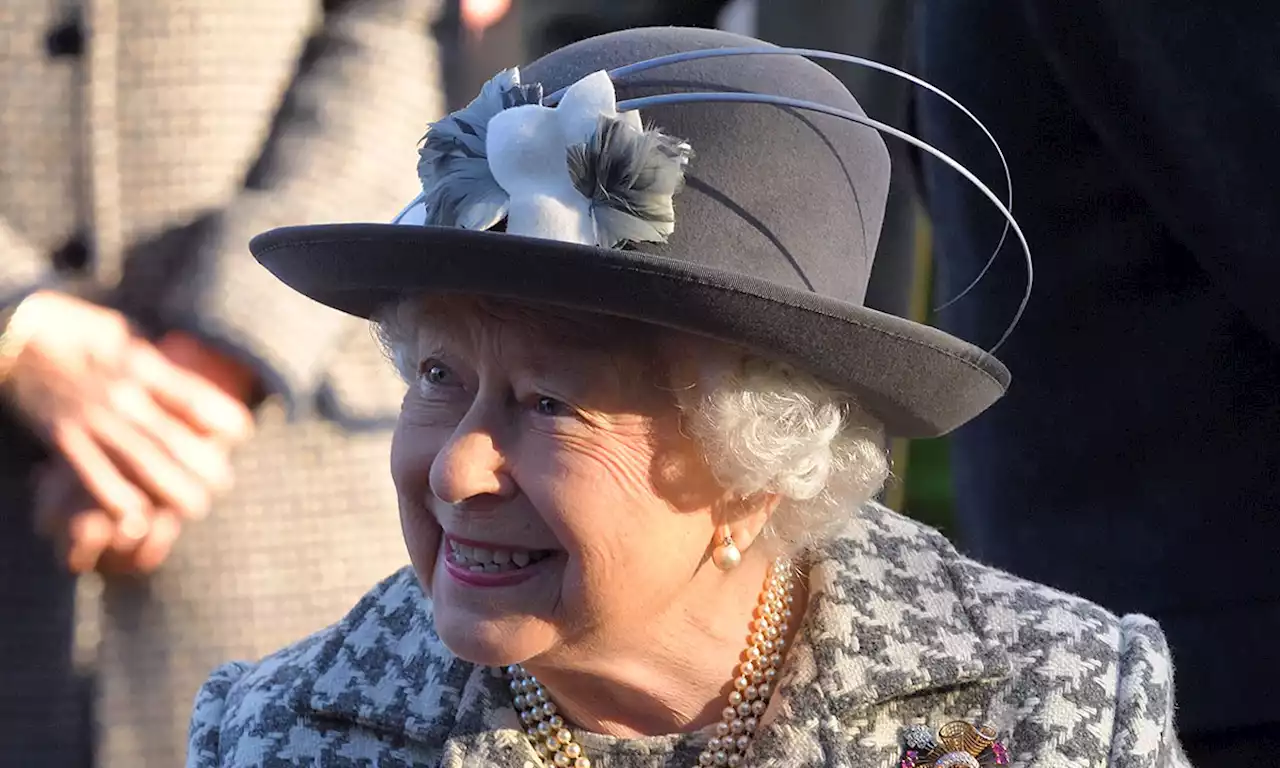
(163, 134)
(900, 630)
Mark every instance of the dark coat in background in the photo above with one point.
(1134, 460)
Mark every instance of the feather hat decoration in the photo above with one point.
(631, 177)
(579, 172)
(458, 189)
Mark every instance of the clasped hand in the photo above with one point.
(142, 432)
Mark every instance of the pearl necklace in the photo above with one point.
(752, 687)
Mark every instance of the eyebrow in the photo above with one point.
(592, 364)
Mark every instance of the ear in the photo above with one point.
(746, 518)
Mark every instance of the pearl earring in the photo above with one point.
(726, 556)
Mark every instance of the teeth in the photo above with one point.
(483, 560)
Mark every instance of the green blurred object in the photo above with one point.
(928, 495)
(925, 491)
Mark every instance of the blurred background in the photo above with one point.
(143, 142)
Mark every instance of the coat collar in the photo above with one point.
(892, 613)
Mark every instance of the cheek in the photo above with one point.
(412, 449)
(619, 467)
(628, 548)
(589, 491)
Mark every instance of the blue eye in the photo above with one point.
(435, 372)
(549, 406)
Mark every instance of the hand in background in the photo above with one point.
(227, 374)
(85, 535)
(479, 15)
(140, 431)
(87, 538)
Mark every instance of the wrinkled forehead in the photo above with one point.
(465, 323)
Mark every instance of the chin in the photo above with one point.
(489, 643)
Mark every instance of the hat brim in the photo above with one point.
(919, 381)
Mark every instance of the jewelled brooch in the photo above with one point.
(956, 744)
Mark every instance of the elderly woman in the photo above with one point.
(637, 459)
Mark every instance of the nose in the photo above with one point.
(471, 468)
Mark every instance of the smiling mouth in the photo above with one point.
(489, 559)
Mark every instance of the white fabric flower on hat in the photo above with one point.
(580, 172)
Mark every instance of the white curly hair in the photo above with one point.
(764, 427)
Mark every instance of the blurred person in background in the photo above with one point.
(1135, 459)
(482, 37)
(552, 24)
(141, 144)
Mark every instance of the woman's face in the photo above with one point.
(547, 496)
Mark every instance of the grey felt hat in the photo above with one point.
(750, 223)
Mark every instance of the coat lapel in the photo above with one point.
(892, 614)
(487, 731)
(385, 669)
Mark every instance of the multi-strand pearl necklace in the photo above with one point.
(752, 688)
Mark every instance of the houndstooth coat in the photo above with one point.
(900, 631)
(142, 143)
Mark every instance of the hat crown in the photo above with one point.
(796, 198)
